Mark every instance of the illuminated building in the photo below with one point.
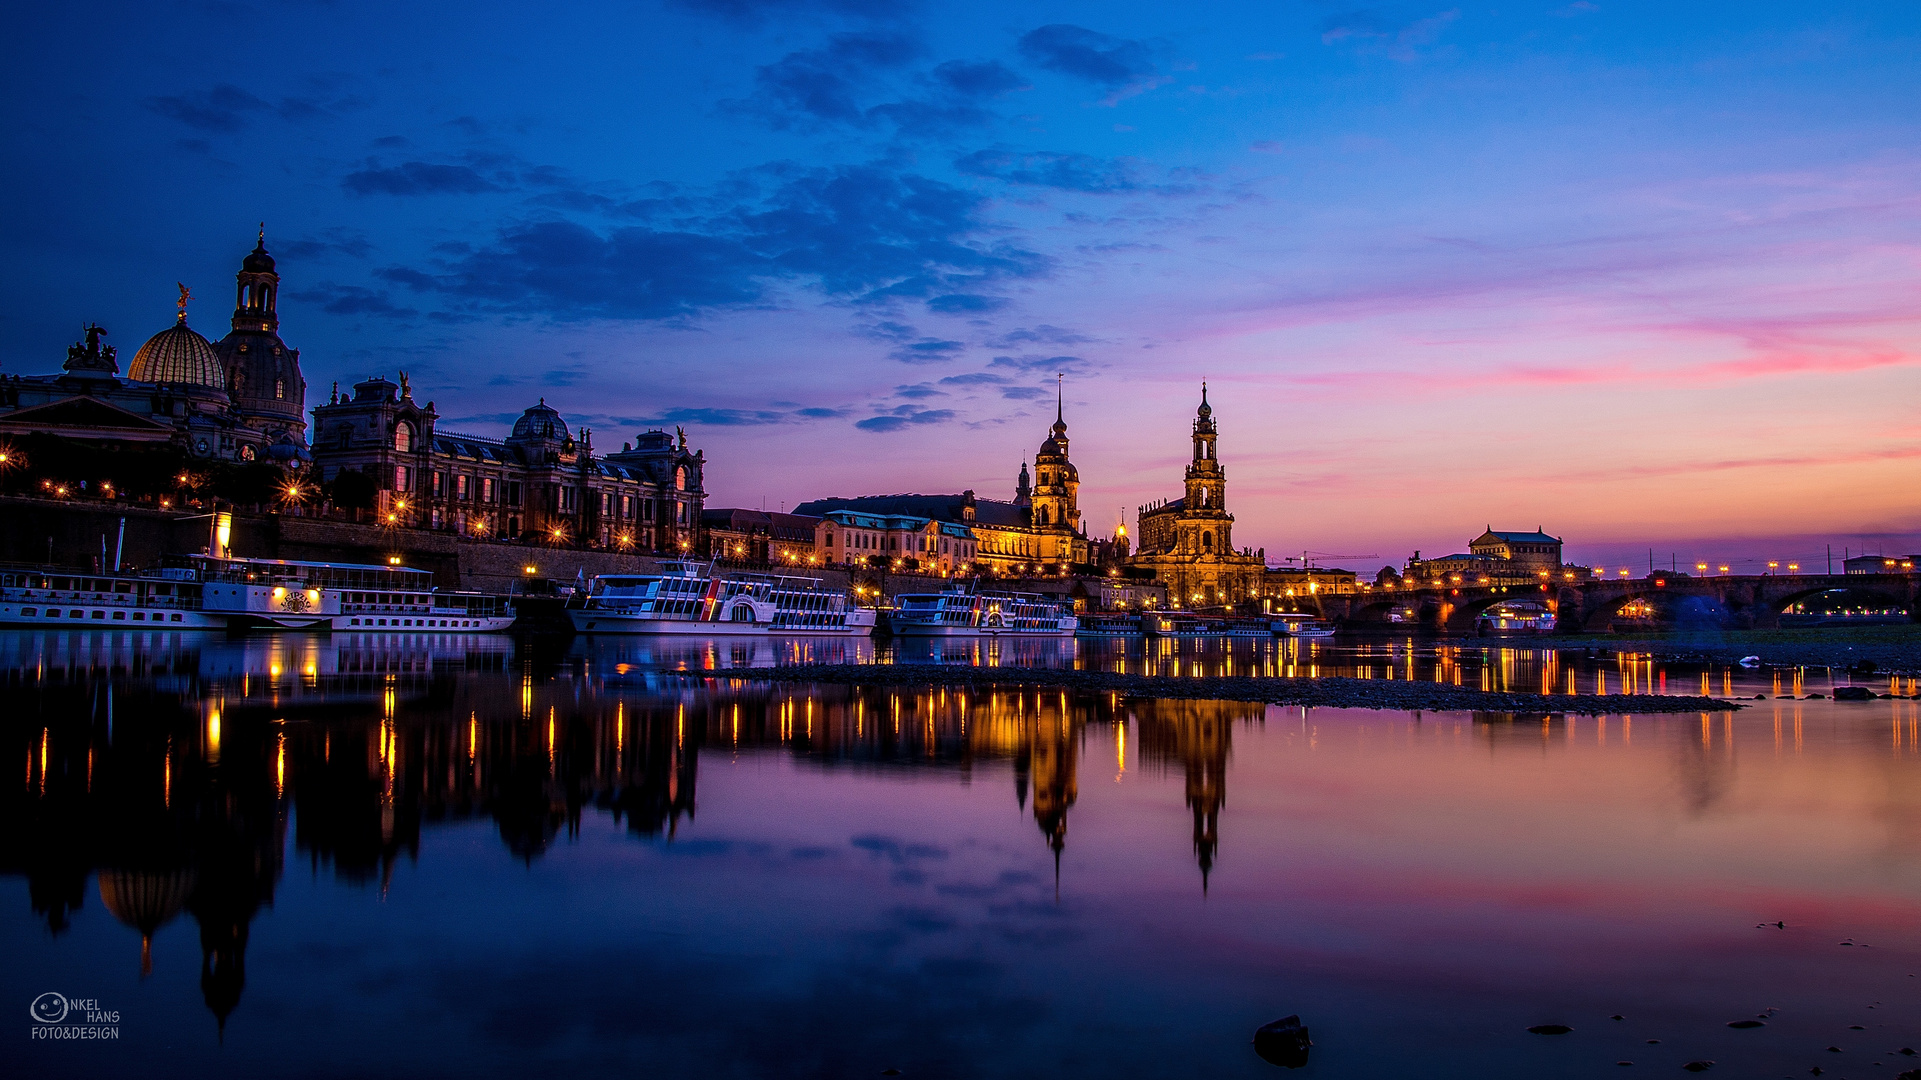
(1188, 542)
(240, 399)
(757, 536)
(540, 482)
(1040, 530)
(1499, 558)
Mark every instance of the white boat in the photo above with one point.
(1302, 626)
(344, 596)
(964, 613)
(169, 598)
(692, 598)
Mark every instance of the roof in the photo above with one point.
(1172, 506)
(1536, 537)
(178, 355)
(936, 507)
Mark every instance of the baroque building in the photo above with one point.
(1039, 531)
(540, 482)
(1188, 543)
(180, 390)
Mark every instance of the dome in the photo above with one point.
(541, 422)
(1050, 447)
(177, 355)
(258, 261)
(1205, 410)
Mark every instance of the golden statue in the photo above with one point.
(185, 295)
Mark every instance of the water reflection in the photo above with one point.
(171, 768)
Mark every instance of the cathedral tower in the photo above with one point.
(1205, 528)
(263, 374)
(1056, 482)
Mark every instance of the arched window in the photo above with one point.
(680, 478)
(280, 389)
(1207, 541)
(403, 437)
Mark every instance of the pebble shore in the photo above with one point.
(1329, 693)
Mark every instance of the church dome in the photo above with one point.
(1050, 447)
(258, 261)
(541, 422)
(178, 355)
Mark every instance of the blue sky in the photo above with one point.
(1644, 274)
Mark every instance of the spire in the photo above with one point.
(1205, 410)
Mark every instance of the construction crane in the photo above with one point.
(1307, 558)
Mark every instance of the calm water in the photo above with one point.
(477, 856)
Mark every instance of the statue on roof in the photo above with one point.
(681, 432)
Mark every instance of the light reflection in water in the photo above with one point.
(621, 739)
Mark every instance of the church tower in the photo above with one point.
(263, 374)
(1056, 482)
(1205, 523)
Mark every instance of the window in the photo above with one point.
(401, 475)
(403, 437)
(440, 483)
(680, 478)
(680, 513)
(486, 489)
(513, 494)
(460, 486)
(280, 388)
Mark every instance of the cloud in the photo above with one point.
(753, 11)
(918, 391)
(958, 303)
(870, 233)
(1069, 171)
(834, 84)
(713, 418)
(567, 271)
(864, 233)
(1044, 334)
(975, 378)
(418, 178)
(336, 240)
(352, 300)
(978, 78)
(1122, 65)
(225, 108)
(905, 416)
(827, 83)
(1402, 40)
(928, 351)
(1033, 363)
(1023, 393)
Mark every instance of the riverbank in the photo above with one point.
(1890, 649)
(1334, 693)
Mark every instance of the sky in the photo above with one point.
(1646, 275)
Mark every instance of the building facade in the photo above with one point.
(539, 483)
(756, 536)
(895, 541)
(180, 390)
(1188, 542)
(1038, 532)
(1498, 558)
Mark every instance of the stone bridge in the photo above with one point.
(1591, 606)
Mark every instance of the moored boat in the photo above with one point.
(964, 613)
(692, 598)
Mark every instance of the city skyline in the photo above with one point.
(1642, 278)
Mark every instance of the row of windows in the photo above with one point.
(120, 616)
